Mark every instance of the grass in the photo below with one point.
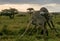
(13, 28)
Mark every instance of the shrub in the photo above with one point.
(21, 15)
(58, 23)
(4, 30)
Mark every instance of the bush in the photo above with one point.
(21, 15)
(6, 31)
(58, 23)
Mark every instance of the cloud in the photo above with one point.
(53, 7)
(20, 7)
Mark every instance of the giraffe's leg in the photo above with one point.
(37, 29)
(33, 29)
(53, 26)
(45, 30)
(26, 29)
(52, 23)
(49, 25)
(44, 35)
(42, 31)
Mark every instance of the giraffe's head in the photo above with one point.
(44, 9)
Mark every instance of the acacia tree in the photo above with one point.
(30, 10)
(9, 12)
(5, 12)
(13, 12)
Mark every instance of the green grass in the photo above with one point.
(13, 28)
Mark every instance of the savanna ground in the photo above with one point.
(12, 29)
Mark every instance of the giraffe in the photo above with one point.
(40, 19)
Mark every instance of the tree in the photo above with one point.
(13, 12)
(30, 10)
(9, 12)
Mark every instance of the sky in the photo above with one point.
(22, 5)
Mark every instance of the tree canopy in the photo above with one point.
(9, 12)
